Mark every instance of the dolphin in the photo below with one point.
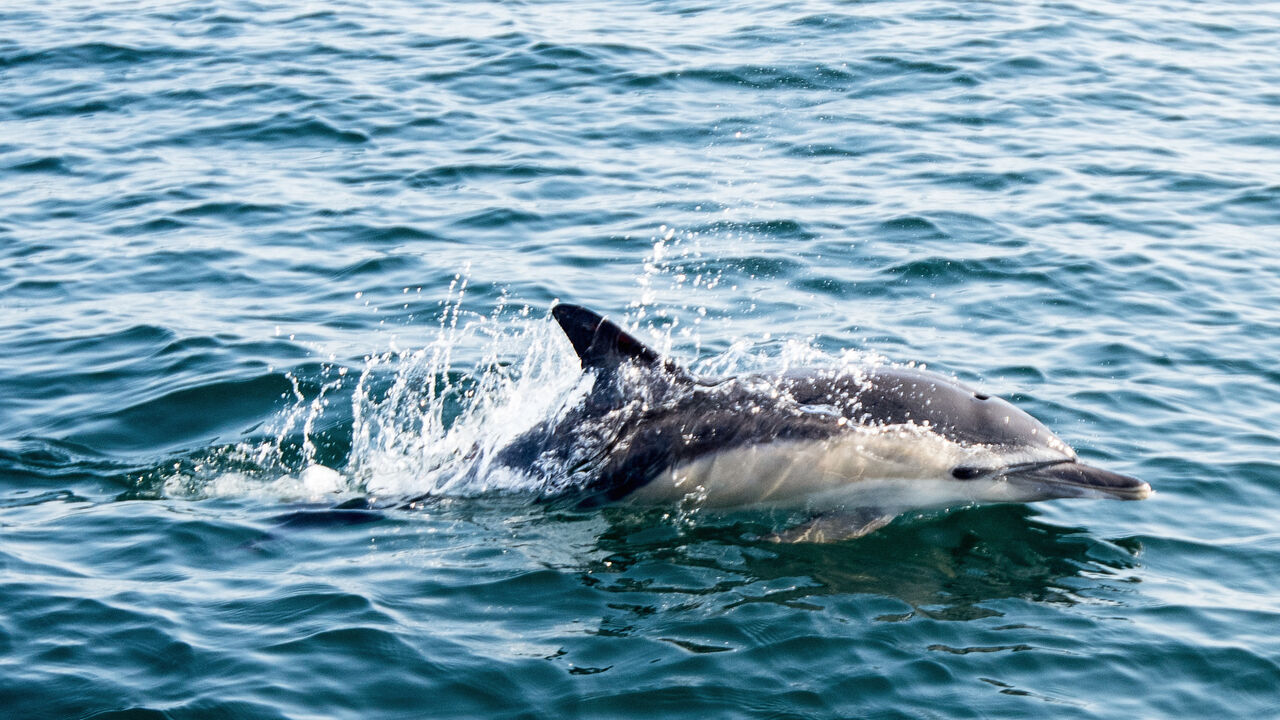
(851, 447)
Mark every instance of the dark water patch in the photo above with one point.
(885, 86)
(1255, 205)
(975, 227)
(892, 64)
(494, 218)
(368, 182)
(1026, 375)
(42, 290)
(995, 117)
(202, 350)
(663, 134)
(26, 498)
(202, 14)
(36, 471)
(647, 81)
(854, 148)
(316, 602)
(30, 453)
(282, 130)
(542, 56)
(694, 647)
(829, 286)
(1200, 182)
(230, 282)
(748, 77)
(92, 55)
(60, 165)
(1138, 103)
(911, 159)
(989, 181)
(762, 266)
(237, 211)
(782, 229)
(986, 649)
(1261, 140)
(129, 201)
(910, 227)
(114, 370)
(321, 52)
(384, 235)
(1141, 171)
(832, 22)
(458, 175)
(1020, 66)
(562, 53)
(377, 266)
(379, 648)
(1130, 222)
(223, 93)
(162, 544)
(156, 225)
(110, 345)
(101, 635)
(327, 518)
(76, 106)
(1118, 399)
(943, 271)
(179, 418)
(1221, 30)
(626, 53)
(509, 591)
(533, 70)
(200, 708)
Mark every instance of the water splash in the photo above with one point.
(429, 420)
(415, 421)
(436, 427)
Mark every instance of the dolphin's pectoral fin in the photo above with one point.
(836, 526)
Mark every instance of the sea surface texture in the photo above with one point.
(258, 260)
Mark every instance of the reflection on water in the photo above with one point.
(944, 566)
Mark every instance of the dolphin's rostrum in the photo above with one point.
(854, 447)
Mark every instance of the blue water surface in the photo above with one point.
(258, 258)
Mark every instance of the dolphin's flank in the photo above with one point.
(853, 447)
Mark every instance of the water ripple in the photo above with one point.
(260, 260)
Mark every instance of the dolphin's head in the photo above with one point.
(981, 447)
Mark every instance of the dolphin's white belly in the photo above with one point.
(893, 468)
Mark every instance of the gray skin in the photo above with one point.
(647, 424)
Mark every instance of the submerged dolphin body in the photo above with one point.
(853, 447)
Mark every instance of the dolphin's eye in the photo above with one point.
(982, 396)
(965, 472)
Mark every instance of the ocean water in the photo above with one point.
(260, 259)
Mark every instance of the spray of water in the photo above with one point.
(413, 421)
(435, 429)
(429, 420)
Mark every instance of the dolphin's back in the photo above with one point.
(643, 416)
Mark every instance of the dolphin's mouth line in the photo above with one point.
(1027, 467)
(1079, 479)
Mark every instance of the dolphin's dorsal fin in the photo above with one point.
(600, 344)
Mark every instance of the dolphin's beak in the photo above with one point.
(1073, 479)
